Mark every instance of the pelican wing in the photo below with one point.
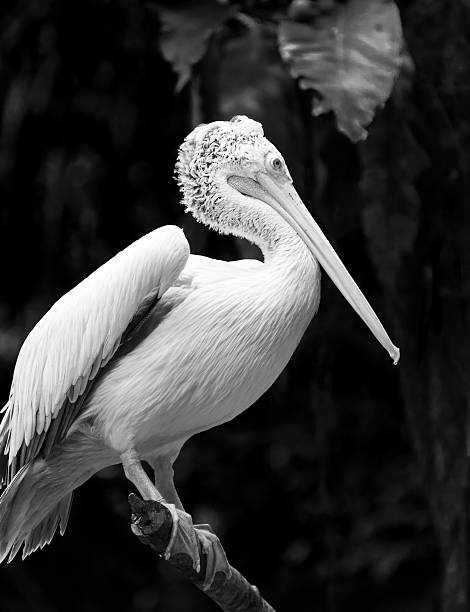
(80, 333)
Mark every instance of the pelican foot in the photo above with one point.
(174, 529)
(183, 538)
(212, 549)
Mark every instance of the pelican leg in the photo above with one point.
(189, 536)
(136, 474)
(182, 530)
(163, 470)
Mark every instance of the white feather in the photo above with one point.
(174, 384)
(84, 325)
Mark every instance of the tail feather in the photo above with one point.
(43, 533)
(33, 505)
(37, 500)
(64, 512)
(13, 505)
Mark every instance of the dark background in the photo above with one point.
(345, 487)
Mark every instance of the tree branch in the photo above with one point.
(152, 523)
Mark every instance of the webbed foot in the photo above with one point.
(212, 549)
(183, 538)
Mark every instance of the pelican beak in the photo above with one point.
(284, 199)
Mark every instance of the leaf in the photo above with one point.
(185, 32)
(351, 56)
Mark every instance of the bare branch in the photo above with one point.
(152, 523)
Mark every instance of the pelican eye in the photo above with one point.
(276, 164)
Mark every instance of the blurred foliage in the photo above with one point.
(347, 484)
(185, 31)
(350, 55)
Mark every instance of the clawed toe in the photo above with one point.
(183, 537)
(174, 529)
(212, 549)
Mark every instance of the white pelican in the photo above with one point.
(157, 344)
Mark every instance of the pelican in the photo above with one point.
(157, 345)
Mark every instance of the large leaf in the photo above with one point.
(185, 32)
(350, 56)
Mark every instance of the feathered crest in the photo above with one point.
(213, 142)
(208, 156)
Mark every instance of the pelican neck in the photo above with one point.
(285, 248)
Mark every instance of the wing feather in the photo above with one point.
(78, 336)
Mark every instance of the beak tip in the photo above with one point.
(395, 355)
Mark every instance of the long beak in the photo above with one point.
(286, 202)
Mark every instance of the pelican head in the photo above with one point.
(228, 171)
